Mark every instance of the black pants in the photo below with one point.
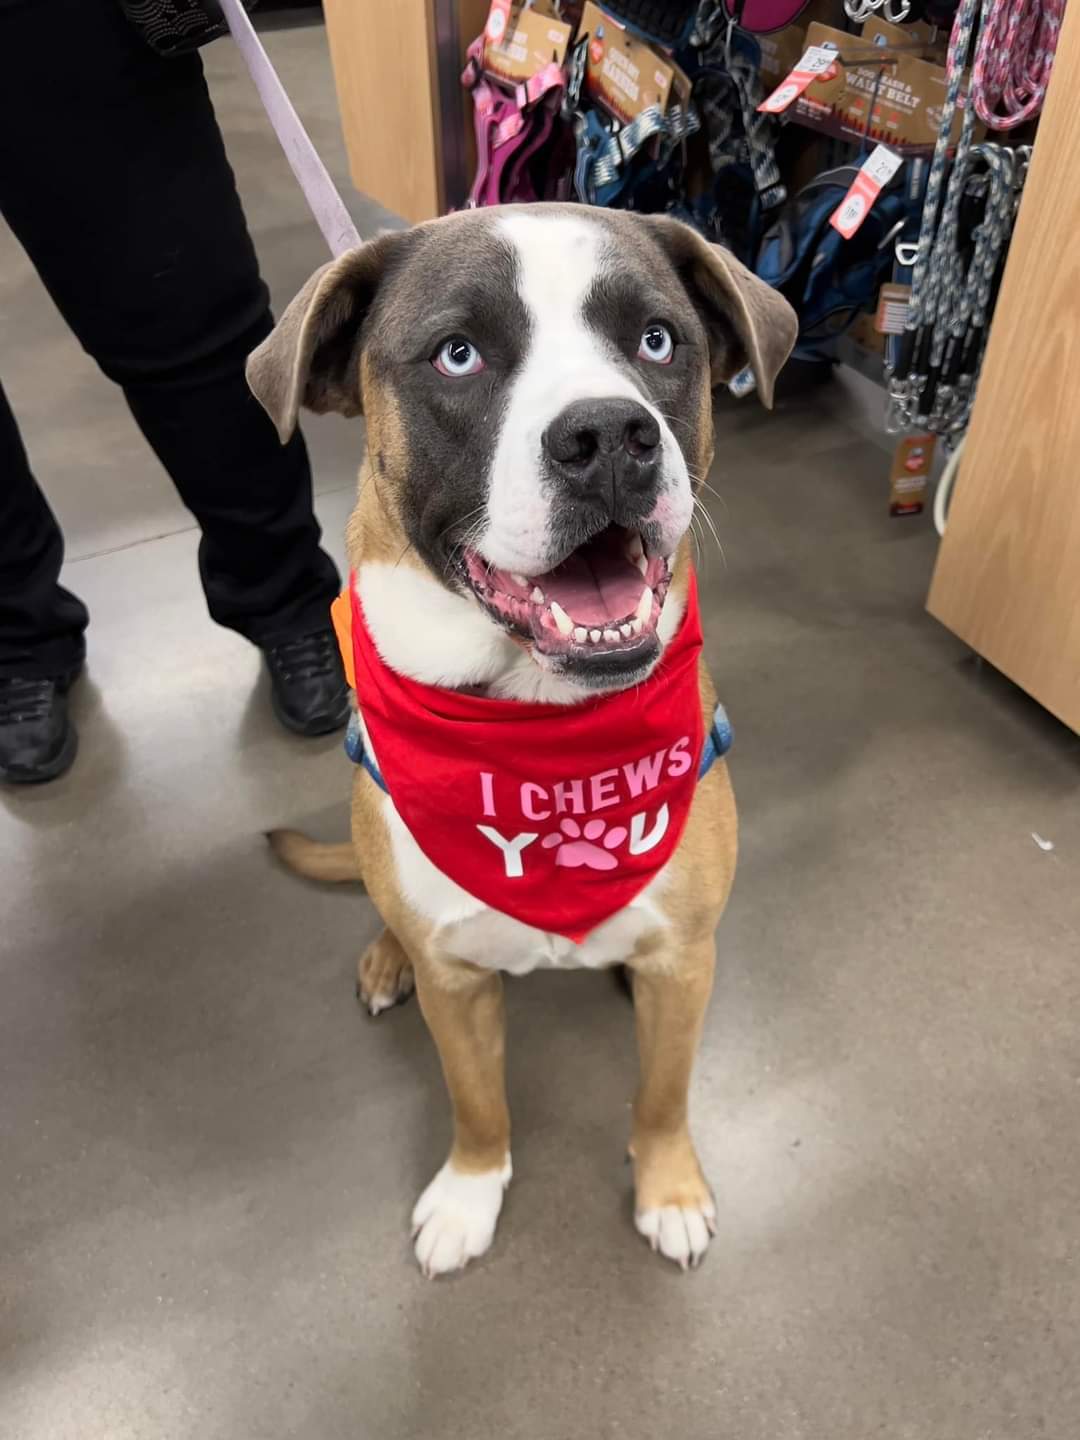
(113, 177)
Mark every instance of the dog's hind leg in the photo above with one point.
(674, 1207)
(385, 974)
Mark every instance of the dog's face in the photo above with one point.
(537, 387)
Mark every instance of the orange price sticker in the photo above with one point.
(868, 184)
(818, 60)
(498, 17)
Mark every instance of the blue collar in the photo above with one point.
(717, 744)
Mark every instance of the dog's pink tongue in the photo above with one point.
(594, 586)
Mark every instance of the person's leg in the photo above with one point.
(41, 623)
(113, 176)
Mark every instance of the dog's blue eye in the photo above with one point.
(657, 345)
(458, 356)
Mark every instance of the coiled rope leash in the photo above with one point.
(1013, 60)
(931, 371)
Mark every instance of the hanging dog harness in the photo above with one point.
(555, 815)
(512, 124)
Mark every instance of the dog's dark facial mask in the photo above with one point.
(537, 387)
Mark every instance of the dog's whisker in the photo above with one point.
(701, 511)
(471, 533)
(698, 532)
(461, 519)
(677, 420)
(703, 484)
(698, 482)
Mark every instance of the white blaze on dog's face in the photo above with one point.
(537, 384)
(590, 492)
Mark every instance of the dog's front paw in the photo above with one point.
(675, 1210)
(680, 1232)
(454, 1219)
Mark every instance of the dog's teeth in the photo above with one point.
(626, 631)
(642, 564)
(562, 620)
(636, 626)
(581, 635)
(634, 548)
(518, 579)
(611, 636)
(537, 596)
(644, 606)
(594, 636)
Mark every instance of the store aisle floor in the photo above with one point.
(208, 1154)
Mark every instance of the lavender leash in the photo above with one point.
(319, 190)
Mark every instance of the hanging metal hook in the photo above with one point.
(860, 10)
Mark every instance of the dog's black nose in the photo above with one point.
(601, 447)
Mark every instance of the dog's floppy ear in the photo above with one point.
(747, 321)
(311, 357)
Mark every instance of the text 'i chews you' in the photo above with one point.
(570, 812)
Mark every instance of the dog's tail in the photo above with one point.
(331, 864)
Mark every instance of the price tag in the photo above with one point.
(743, 384)
(818, 60)
(868, 184)
(498, 16)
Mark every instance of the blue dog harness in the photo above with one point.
(717, 744)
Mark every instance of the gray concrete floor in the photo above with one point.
(208, 1155)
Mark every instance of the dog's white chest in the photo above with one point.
(467, 929)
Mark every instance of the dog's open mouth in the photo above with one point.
(604, 599)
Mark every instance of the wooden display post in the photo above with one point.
(407, 123)
(1008, 573)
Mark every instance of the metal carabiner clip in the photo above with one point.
(897, 419)
(729, 36)
(891, 234)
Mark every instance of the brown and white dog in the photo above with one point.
(536, 383)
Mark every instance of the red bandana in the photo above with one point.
(556, 815)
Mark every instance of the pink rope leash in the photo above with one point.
(1013, 60)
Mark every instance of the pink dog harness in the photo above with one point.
(512, 123)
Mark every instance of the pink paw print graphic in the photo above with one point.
(579, 846)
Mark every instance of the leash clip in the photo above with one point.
(574, 80)
(896, 416)
(891, 234)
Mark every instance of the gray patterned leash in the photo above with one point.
(939, 396)
(964, 303)
(755, 146)
(908, 377)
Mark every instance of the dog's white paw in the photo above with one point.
(454, 1219)
(681, 1232)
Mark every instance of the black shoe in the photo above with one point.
(37, 739)
(308, 688)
